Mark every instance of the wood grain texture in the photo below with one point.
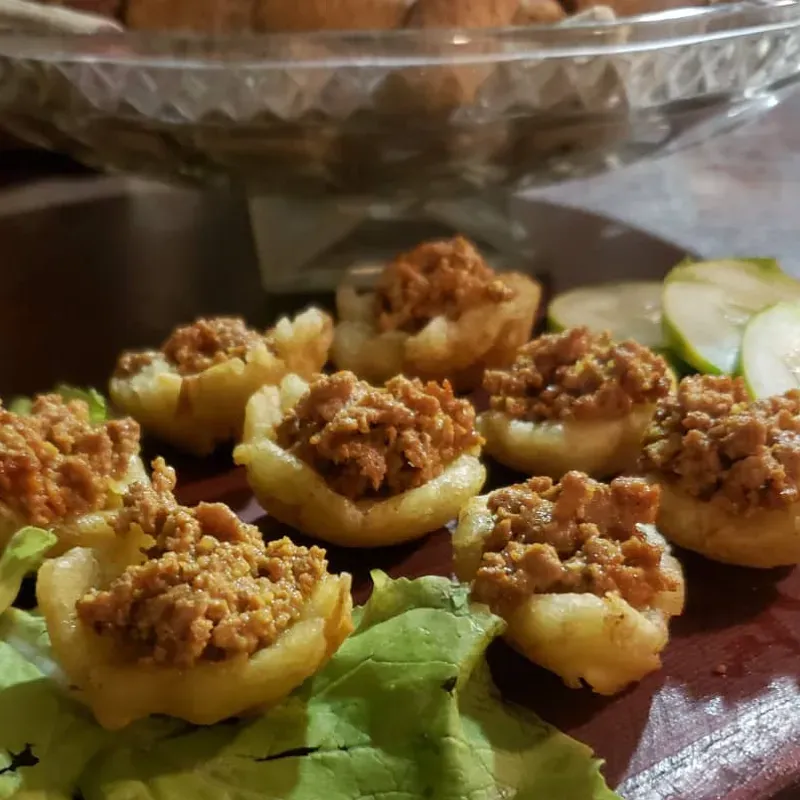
(119, 266)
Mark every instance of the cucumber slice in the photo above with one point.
(629, 310)
(771, 351)
(707, 305)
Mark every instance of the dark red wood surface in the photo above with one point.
(83, 279)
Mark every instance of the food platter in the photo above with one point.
(718, 721)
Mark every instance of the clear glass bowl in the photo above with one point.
(340, 127)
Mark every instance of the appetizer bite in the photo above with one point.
(61, 470)
(357, 465)
(585, 582)
(191, 614)
(193, 391)
(573, 401)
(438, 312)
(729, 471)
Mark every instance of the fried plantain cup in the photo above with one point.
(729, 471)
(586, 637)
(297, 493)
(64, 471)
(77, 530)
(137, 636)
(600, 448)
(194, 396)
(460, 318)
(573, 401)
(762, 538)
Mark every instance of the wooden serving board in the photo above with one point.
(111, 268)
(720, 720)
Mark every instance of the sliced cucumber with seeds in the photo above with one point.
(771, 350)
(630, 310)
(707, 306)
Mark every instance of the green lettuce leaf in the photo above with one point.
(530, 758)
(23, 554)
(46, 739)
(98, 408)
(26, 633)
(20, 405)
(404, 710)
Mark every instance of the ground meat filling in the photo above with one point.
(56, 465)
(715, 443)
(369, 442)
(211, 589)
(191, 349)
(435, 279)
(579, 375)
(574, 536)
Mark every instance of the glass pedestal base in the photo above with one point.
(307, 245)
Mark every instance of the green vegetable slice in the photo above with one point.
(629, 310)
(707, 306)
(23, 554)
(771, 350)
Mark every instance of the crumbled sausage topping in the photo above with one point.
(715, 443)
(435, 279)
(574, 536)
(376, 442)
(56, 464)
(196, 347)
(132, 362)
(210, 589)
(577, 375)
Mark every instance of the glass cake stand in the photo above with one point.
(350, 146)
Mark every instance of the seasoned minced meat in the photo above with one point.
(191, 349)
(55, 464)
(714, 442)
(211, 589)
(577, 374)
(435, 279)
(376, 442)
(574, 536)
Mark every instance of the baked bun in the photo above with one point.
(463, 13)
(201, 16)
(317, 15)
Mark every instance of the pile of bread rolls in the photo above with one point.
(237, 16)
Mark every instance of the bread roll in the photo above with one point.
(200, 16)
(632, 8)
(539, 12)
(315, 15)
(463, 13)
